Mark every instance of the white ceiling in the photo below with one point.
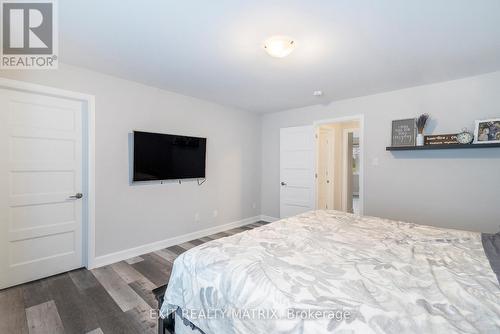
(346, 48)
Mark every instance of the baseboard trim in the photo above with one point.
(268, 219)
(125, 254)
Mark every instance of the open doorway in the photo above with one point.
(339, 165)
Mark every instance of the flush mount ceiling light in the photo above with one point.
(279, 46)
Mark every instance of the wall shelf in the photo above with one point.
(441, 147)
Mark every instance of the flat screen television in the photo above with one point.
(165, 157)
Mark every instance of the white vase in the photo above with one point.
(420, 139)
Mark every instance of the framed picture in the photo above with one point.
(487, 131)
(404, 132)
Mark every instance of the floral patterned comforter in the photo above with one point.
(328, 271)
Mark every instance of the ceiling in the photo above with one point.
(346, 48)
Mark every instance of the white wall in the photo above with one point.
(133, 215)
(448, 188)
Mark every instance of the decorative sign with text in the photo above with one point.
(404, 132)
(441, 139)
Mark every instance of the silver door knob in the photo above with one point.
(283, 183)
(77, 196)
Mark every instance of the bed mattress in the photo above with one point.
(328, 271)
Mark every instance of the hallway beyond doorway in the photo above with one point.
(338, 166)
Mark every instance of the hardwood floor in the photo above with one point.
(113, 299)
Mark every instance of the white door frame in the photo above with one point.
(361, 119)
(89, 169)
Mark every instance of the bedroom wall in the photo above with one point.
(447, 188)
(133, 215)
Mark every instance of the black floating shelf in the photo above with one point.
(440, 147)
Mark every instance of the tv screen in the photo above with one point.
(163, 157)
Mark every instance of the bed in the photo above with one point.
(328, 271)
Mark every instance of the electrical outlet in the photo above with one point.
(254, 206)
(196, 217)
(216, 213)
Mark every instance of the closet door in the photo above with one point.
(296, 170)
(40, 186)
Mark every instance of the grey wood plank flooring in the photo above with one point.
(113, 299)
(134, 260)
(122, 294)
(176, 250)
(255, 225)
(167, 255)
(12, 311)
(187, 245)
(44, 318)
(110, 317)
(75, 314)
(83, 279)
(35, 293)
(196, 242)
(218, 235)
(246, 228)
(205, 239)
(141, 315)
(144, 293)
(154, 268)
(236, 230)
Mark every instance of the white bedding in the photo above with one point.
(364, 275)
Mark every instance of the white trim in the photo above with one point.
(91, 183)
(89, 102)
(268, 219)
(361, 119)
(46, 90)
(125, 254)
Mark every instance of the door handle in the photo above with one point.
(77, 196)
(283, 183)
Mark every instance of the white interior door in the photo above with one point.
(296, 170)
(325, 169)
(40, 171)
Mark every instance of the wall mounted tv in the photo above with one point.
(164, 157)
